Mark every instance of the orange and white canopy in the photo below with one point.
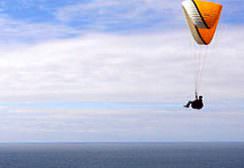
(202, 18)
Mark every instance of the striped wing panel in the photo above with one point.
(202, 34)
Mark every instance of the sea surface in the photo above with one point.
(123, 155)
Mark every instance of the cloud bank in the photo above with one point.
(100, 67)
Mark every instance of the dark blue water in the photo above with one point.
(112, 155)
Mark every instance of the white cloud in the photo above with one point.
(119, 125)
(22, 32)
(102, 67)
(105, 15)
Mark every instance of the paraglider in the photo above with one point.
(202, 18)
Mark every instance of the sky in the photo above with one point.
(116, 71)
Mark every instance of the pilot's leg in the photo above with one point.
(188, 104)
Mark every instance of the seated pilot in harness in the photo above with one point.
(195, 104)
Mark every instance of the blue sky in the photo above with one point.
(100, 70)
(69, 13)
(72, 18)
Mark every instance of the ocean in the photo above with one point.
(122, 155)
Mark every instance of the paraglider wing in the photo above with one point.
(202, 18)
